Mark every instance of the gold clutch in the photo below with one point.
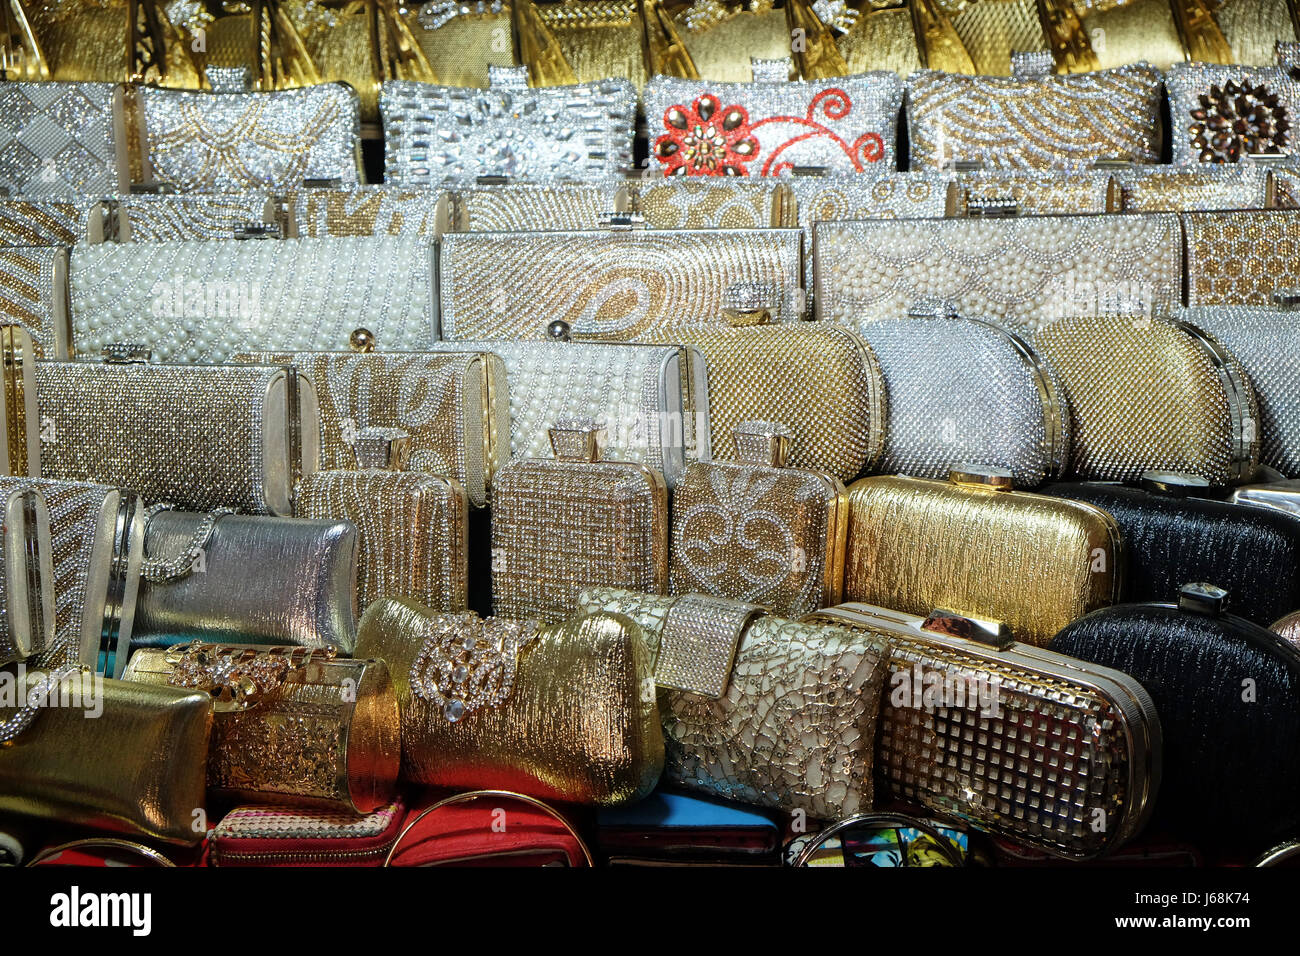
(293, 724)
(754, 530)
(556, 711)
(366, 211)
(113, 41)
(730, 203)
(530, 207)
(1241, 258)
(974, 546)
(1007, 193)
(1210, 187)
(34, 295)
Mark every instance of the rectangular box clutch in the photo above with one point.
(1031, 193)
(62, 139)
(713, 203)
(530, 207)
(170, 217)
(1229, 113)
(1194, 188)
(912, 195)
(379, 210)
(1241, 257)
(50, 222)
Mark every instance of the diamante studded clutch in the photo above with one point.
(1241, 258)
(888, 196)
(1029, 192)
(1163, 189)
(48, 222)
(61, 139)
(727, 203)
(34, 295)
(532, 207)
(1227, 114)
(367, 211)
(174, 218)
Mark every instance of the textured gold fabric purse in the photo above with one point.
(575, 521)
(136, 768)
(1241, 258)
(555, 711)
(757, 708)
(1200, 419)
(292, 725)
(97, 40)
(974, 546)
(755, 530)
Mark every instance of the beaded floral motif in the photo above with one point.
(1238, 119)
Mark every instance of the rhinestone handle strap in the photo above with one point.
(160, 570)
(20, 721)
(471, 795)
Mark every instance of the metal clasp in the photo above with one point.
(1202, 598)
(126, 353)
(993, 633)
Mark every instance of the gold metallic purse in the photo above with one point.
(557, 711)
(531, 207)
(1153, 395)
(758, 708)
(113, 41)
(292, 725)
(122, 757)
(1184, 189)
(1241, 258)
(411, 527)
(575, 521)
(708, 203)
(754, 530)
(20, 446)
(974, 546)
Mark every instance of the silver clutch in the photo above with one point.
(965, 391)
(531, 207)
(434, 134)
(841, 124)
(204, 302)
(34, 294)
(26, 573)
(174, 218)
(615, 284)
(61, 139)
(199, 141)
(1229, 113)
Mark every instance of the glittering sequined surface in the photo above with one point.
(168, 218)
(961, 391)
(197, 302)
(29, 295)
(1223, 114)
(1241, 258)
(1051, 122)
(794, 729)
(559, 526)
(437, 133)
(1201, 420)
(228, 142)
(577, 726)
(531, 207)
(890, 196)
(618, 285)
(710, 204)
(43, 222)
(1032, 562)
(56, 139)
(1023, 272)
(367, 211)
(1157, 189)
(1035, 193)
(411, 532)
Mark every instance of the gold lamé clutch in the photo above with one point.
(575, 521)
(755, 530)
(974, 546)
(1153, 395)
(292, 724)
(556, 711)
(758, 708)
(113, 41)
(1241, 257)
(108, 754)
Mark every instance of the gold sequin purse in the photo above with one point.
(560, 524)
(975, 546)
(758, 708)
(753, 529)
(292, 725)
(1241, 257)
(513, 704)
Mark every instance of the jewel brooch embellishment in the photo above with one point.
(467, 662)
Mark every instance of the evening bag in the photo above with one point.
(62, 139)
(1223, 113)
(1242, 257)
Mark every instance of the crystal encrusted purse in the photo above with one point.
(34, 294)
(531, 207)
(174, 218)
(27, 623)
(888, 196)
(758, 708)
(49, 222)
(755, 530)
(731, 203)
(615, 285)
(199, 141)
(1031, 193)
(1184, 189)
(1024, 272)
(1202, 419)
(380, 210)
(1034, 122)
(19, 440)
(433, 134)
(573, 521)
(843, 124)
(1241, 258)
(61, 139)
(1230, 113)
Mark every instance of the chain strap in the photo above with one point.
(20, 721)
(159, 570)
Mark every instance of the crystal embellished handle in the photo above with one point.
(384, 448)
(763, 443)
(577, 440)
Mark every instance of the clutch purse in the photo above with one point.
(113, 40)
(197, 436)
(953, 733)
(135, 769)
(841, 124)
(167, 217)
(366, 211)
(1240, 258)
(974, 546)
(755, 530)
(1231, 113)
(820, 381)
(411, 528)
(27, 623)
(653, 399)
(512, 704)
(730, 203)
(201, 141)
(756, 708)
(1226, 692)
(531, 207)
(62, 139)
(434, 134)
(887, 196)
(573, 521)
(1202, 421)
(1000, 193)
(50, 222)
(1166, 189)
(1034, 122)
(966, 390)
(617, 285)
(34, 294)
(203, 302)
(1173, 534)
(304, 836)
(1022, 272)
(292, 725)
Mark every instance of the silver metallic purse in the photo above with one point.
(61, 139)
(888, 196)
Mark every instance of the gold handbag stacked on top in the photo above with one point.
(97, 41)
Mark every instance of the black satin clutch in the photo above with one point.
(1228, 695)
(1172, 537)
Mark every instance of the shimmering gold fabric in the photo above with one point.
(881, 40)
(722, 48)
(137, 768)
(1241, 258)
(1142, 30)
(327, 736)
(578, 725)
(89, 41)
(1252, 27)
(992, 30)
(1033, 562)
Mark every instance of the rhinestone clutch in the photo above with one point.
(1031, 193)
(367, 211)
(888, 196)
(1242, 257)
(175, 218)
(1227, 114)
(59, 139)
(27, 622)
(714, 203)
(33, 294)
(49, 222)
(1164, 189)
(532, 207)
